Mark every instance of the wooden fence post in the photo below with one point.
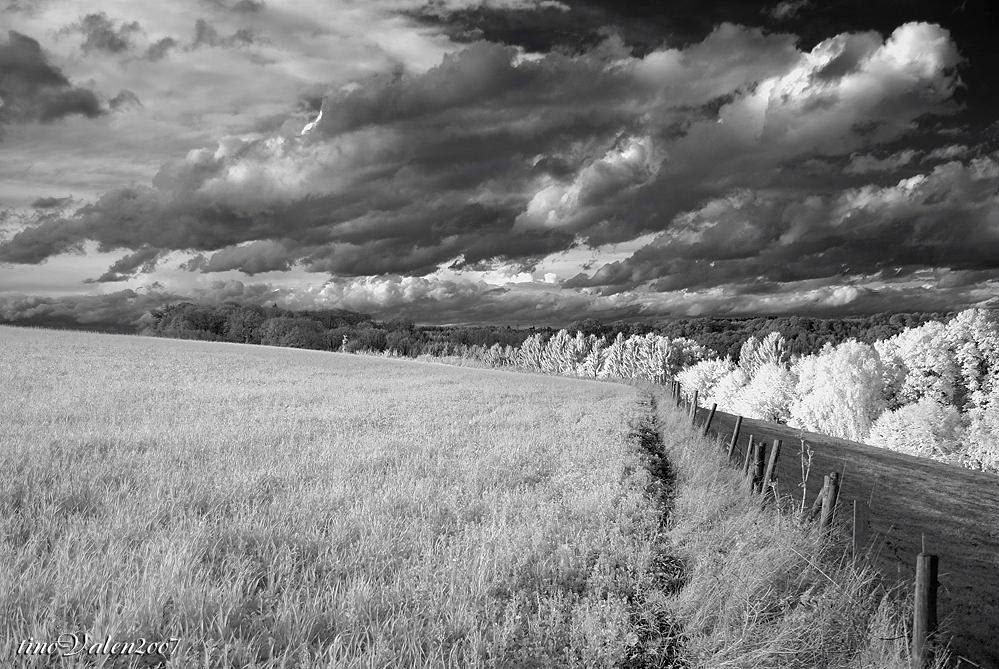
(817, 504)
(769, 474)
(861, 522)
(830, 494)
(759, 463)
(924, 614)
(745, 459)
(735, 436)
(693, 408)
(711, 417)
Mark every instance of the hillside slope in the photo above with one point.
(905, 499)
(272, 507)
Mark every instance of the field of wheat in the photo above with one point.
(275, 507)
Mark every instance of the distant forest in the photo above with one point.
(337, 329)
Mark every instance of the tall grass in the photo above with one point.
(765, 588)
(281, 508)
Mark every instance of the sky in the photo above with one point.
(530, 162)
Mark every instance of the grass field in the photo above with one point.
(275, 507)
(272, 507)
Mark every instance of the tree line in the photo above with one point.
(351, 331)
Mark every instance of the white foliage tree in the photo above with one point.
(685, 352)
(839, 390)
(590, 365)
(768, 395)
(918, 362)
(756, 353)
(613, 363)
(704, 376)
(973, 336)
(982, 437)
(926, 428)
(727, 392)
(531, 353)
(557, 356)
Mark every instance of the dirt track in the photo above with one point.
(905, 499)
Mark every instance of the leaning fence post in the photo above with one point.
(769, 475)
(829, 496)
(745, 459)
(735, 436)
(693, 408)
(759, 462)
(711, 417)
(817, 504)
(924, 614)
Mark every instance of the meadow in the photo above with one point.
(271, 507)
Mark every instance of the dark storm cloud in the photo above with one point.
(32, 89)
(126, 307)
(206, 35)
(645, 26)
(112, 309)
(943, 219)
(101, 34)
(143, 260)
(492, 157)
(254, 258)
(125, 99)
(575, 26)
(160, 48)
(51, 202)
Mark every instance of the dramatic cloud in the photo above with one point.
(51, 202)
(101, 34)
(461, 160)
(403, 172)
(125, 307)
(160, 48)
(125, 100)
(945, 218)
(32, 89)
(205, 35)
(788, 9)
(949, 152)
(865, 164)
(142, 260)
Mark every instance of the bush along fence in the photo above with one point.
(759, 468)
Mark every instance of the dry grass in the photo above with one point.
(764, 588)
(274, 507)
